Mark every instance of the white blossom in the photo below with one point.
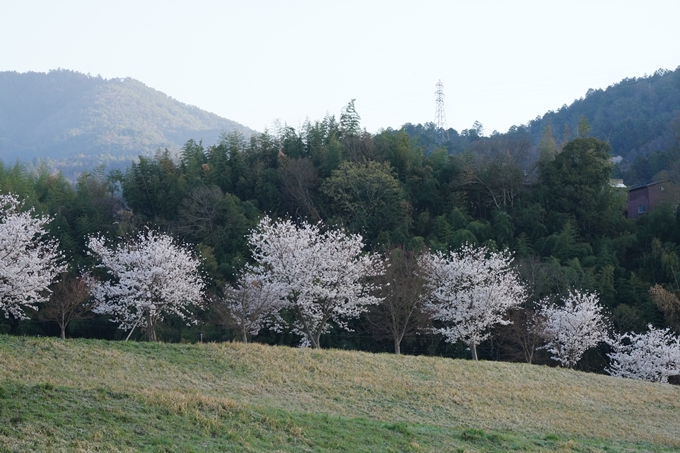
(323, 272)
(251, 304)
(573, 328)
(469, 291)
(151, 277)
(651, 356)
(29, 262)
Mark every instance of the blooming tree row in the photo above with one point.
(150, 276)
(320, 276)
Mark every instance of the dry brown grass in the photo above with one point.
(423, 390)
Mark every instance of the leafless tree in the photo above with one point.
(361, 148)
(520, 340)
(402, 290)
(71, 299)
(298, 180)
(211, 218)
(668, 303)
(205, 214)
(497, 167)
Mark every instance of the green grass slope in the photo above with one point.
(82, 395)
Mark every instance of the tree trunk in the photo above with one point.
(529, 356)
(244, 334)
(473, 348)
(150, 328)
(397, 346)
(316, 340)
(62, 325)
(312, 337)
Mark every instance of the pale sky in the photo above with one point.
(501, 62)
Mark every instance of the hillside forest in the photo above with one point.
(404, 191)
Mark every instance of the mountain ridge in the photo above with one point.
(636, 116)
(63, 114)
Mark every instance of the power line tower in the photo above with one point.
(440, 114)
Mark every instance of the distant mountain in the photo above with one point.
(65, 115)
(636, 116)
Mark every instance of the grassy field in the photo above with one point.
(84, 395)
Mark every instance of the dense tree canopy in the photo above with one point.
(575, 185)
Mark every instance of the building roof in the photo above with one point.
(649, 185)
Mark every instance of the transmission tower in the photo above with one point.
(440, 114)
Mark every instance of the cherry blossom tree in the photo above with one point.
(29, 261)
(572, 328)
(470, 290)
(250, 304)
(651, 356)
(151, 276)
(324, 273)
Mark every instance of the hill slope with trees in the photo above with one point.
(555, 213)
(565, 226)
(638, 117)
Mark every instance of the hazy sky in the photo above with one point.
(501, 62)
